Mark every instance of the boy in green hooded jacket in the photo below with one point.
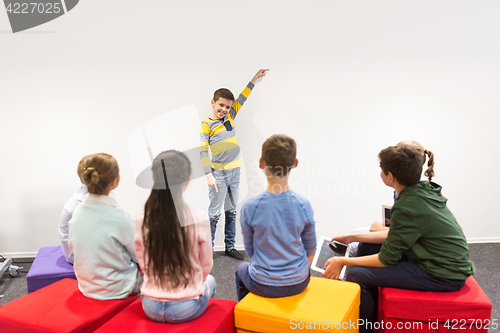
(425, 248)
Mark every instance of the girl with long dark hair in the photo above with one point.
(173, 246)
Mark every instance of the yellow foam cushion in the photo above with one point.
(325, 306)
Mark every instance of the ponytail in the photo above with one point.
(429, 173)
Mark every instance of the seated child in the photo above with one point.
(101, 236)
(371, 239)
(425, 248)
(278, 229)
(67, 212)
(174, 246)
(429, 173)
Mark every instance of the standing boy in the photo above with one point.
(278, 229)
(425, 248)
(223, 172)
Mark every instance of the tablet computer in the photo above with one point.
(327, 250)
(386, 215)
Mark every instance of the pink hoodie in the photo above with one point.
(201, 257)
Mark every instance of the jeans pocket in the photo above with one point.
(181, 312)
(153, 309)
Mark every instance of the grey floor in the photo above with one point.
(484, 256)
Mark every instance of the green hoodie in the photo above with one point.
(424, 228)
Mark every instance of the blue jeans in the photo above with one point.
(245, 284)
(179, 311)
(406, 274)
(228, 182)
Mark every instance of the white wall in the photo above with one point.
(347, 79)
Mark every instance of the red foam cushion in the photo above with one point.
(59, 307)
(470, 302)
(218, 317)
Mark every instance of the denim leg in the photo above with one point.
(242, 277)
(363, 249)
(230, 203)
(169, 312)
(216, 201)
(213, 227)
(202, 302)
(279, 291)
(179, 311)
(404, 275)
(230, 229)
(211, 285)
(245, 284)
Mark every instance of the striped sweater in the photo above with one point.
(219, 135)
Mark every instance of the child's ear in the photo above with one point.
(296, 163)
(262, 163)
(213, 103)
(115, 182)
(391, 177)
(186, 183)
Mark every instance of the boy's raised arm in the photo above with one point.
(260, 73)
(238, 103)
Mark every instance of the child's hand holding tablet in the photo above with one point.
(326, 251)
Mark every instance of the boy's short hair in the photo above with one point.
(223, 93)
(279, 153)
(404, 162)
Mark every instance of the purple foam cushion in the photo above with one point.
(48, 267)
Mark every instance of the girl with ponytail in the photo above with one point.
(425, 248)
(366, 241)
(173, 246)
(429, 173)
(101, 236)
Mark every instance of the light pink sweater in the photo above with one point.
(201, 259)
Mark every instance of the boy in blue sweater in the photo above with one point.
(278, 229)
